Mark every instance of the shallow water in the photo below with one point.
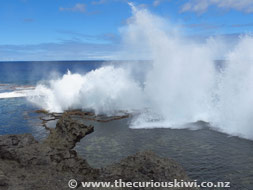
(16, 117)
(205, 154)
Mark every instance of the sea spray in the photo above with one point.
(104, 90)
(183, 74)
(233, 110)
(184, 84)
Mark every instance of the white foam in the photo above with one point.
(104, 90)
(15, 94)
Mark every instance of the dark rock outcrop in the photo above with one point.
(144, 166)
(26, 164)
(67, 133)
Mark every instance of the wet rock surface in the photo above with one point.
(26, 164)
(80, 114)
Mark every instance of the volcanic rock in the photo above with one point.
(26, 164)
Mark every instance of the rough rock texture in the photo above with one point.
(66, 133)
(144, 166)
(26, 164)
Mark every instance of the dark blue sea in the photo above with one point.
(26, 73)
(206, 155)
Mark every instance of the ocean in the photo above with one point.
(206, 154)
(21, 75)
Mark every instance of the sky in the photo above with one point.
(34, 30)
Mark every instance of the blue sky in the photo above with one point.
(89, 29)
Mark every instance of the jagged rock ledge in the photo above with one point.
(86, 115)
(26, 164)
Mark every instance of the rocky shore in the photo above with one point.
(26, 164)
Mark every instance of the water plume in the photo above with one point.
(103, 90)
(233, 111)
(184, 84)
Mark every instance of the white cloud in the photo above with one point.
(65, 50)
(202, 5)
(99, 2)
(76, 8)
(158, 2)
